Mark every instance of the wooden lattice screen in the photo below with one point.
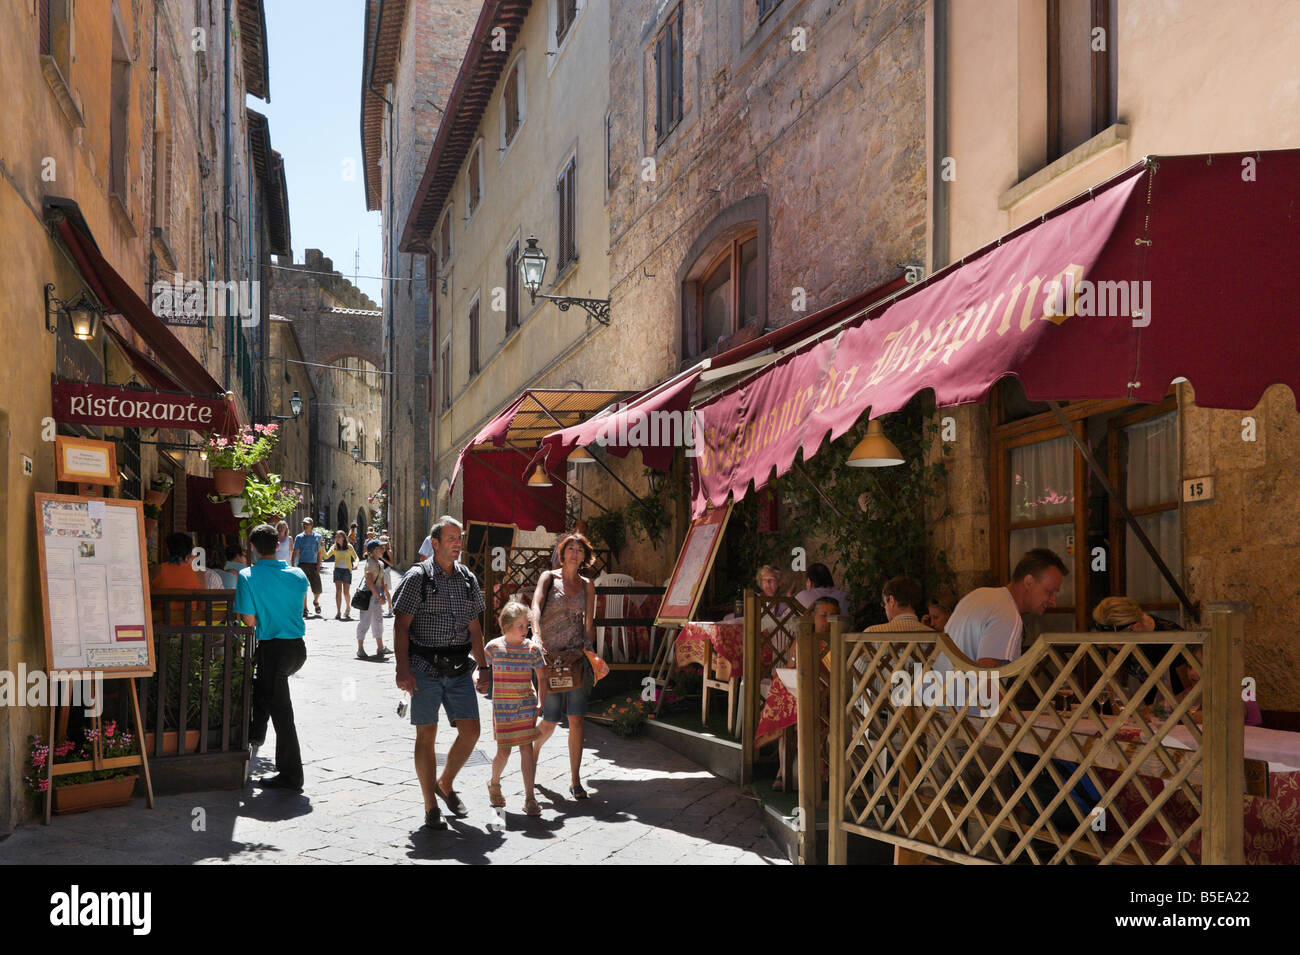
(1126, 775)
(523, 568)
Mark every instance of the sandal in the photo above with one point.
(495, 799)
(531, 808)
(577, 792)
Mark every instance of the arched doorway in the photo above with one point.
(361, 524)
(343, 517)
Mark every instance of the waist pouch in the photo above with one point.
(446, 663)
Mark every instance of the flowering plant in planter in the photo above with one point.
(264, 500)
(114, 742)
(241, 451)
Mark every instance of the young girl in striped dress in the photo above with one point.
(514, 660)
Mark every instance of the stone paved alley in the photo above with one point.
(362, 803)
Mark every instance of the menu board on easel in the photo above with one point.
(94, 585)
(693, 566)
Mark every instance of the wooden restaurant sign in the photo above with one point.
(78, 402)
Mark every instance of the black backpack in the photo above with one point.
(427, 581)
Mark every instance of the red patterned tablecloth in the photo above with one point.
(779, 712)
(727, 641)
(1272, 824)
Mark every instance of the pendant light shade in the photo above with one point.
(875, 450)
(581, 456)
(539, 478)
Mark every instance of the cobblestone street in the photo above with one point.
(362, 803)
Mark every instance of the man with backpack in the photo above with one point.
(437, 632)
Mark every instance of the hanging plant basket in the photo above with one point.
(155, 498)
(238, 506)
(229, 481)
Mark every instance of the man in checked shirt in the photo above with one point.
(437, 607)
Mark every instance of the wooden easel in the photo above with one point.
(97, 760)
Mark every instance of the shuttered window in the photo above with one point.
(668, 76)
(473, 340)
(566, 192)
(566, 11)
(512, 288)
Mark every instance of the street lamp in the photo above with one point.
(295, 405)
(82, 310)
(356, 456)
(532, 269)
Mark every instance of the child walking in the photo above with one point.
(514, 660)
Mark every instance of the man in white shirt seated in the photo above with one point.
(821, 584)
(986, 625)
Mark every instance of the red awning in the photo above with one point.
(146, 367)
(494, 490)
(116, 294)
(1180, 266)
(656, 421)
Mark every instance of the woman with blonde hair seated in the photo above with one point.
(1125, 615)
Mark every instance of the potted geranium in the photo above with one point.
(232, 456)
(259, 501)
(93, 788)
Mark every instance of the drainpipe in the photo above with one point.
(225, 198)
(939, 240)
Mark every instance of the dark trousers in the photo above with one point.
(276, 661)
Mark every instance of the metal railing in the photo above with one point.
(1128, 775)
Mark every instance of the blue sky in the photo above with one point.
(315, 119)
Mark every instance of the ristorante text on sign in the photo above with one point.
(81, 403)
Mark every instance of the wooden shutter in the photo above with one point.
(675, 74)
(45, 27)
(473, 339)
(512, 287)
(562, 210)
(571, 195)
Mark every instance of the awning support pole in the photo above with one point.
(547, 411)
(1123, 509)
(816, 487)
(524, 454)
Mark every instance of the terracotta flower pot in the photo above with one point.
(155, 498)
(229, 481)
(100, 794)
(238, 506)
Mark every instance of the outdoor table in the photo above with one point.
(1272, 822)
(721, 645)
(781, 710)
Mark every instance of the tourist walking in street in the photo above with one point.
(385, 559)
(564, 610)
(267, 596)
(372, 617)
(345, 557)
(514, 661)
(306, 557)
(283, 543)
(352, 534)
(437, 631)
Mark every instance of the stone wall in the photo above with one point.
(831, 140)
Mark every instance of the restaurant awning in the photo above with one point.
(657, 420)
(116, 294)
(1178, 267)
(148, 369)
(494, 460)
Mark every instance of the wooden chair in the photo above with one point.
(712, 681)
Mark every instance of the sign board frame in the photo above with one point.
(108, 672)
(64, 443)
(713, 522)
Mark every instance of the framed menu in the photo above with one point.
(85, 460)
(94, 585)
(693, 566)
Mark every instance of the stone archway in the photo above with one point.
(342, 516)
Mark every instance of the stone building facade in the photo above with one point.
(1021, 147)
(411, 55)
(287, 375)
(338, 331)
(789, 151)
(130, 118)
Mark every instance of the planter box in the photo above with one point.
(170, 738)
(100, 794)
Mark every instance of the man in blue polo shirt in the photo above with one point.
(267, 596)
(306, 557)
